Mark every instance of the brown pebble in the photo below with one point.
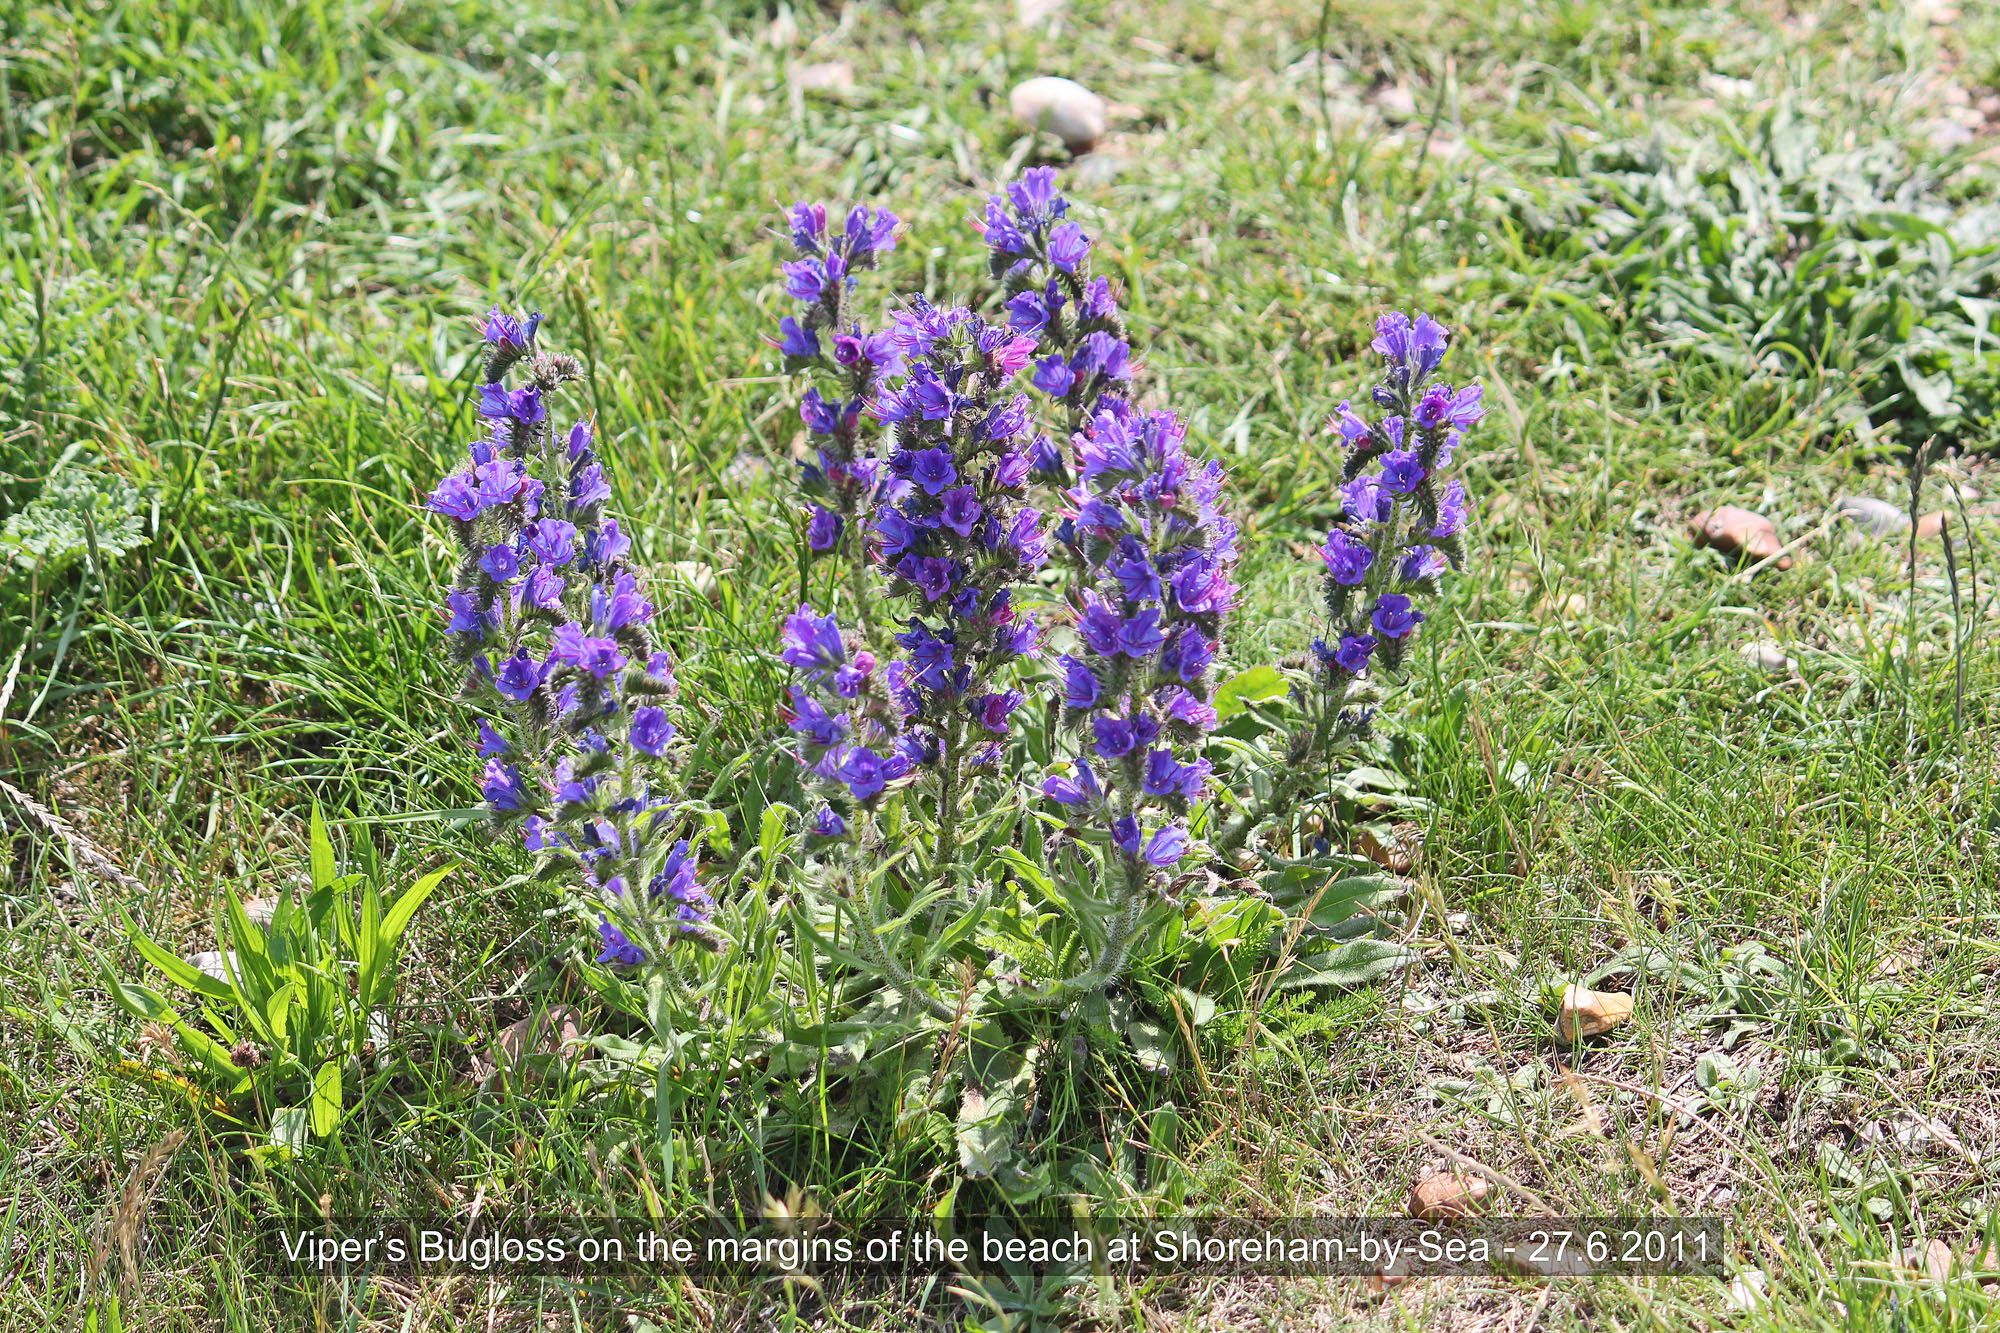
(1930, 525)
(1734, 531)
(1590, 1013)
(1448, 1194)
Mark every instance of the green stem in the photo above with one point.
(946, 862)
(1292, 781)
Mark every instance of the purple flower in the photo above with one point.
(1202, 587)
(1183, 707)
(622, 606)
(1188, 655)
(1434, 408)
(650, 731)
(1167, 845)
(1068, 246)
(1451, 511)
(861, 769)
(820, 416)
(932, 574)
(808, 226)
(1413, 350)
(675, 878)
(1424, 562)
(994, 710)
(1401, 471)
(1083, 790)
(579, 440)
(587, 487)
(1053, 376)
(795, 340)
(931, 469)
(1028, 312)
(1099, 625)
(1012, 356)
(1467, 409)
(812, 643)
(455, 498)
(544, 590)
(805, 279)
(960, 510)
(501, 785)
(1104, 354)
(1081, 687)
(552, 540)
(617, 949)
(898, 533)
(828, 824)
(1097, 301)
(1352, 655)
(1115, 736)
(466, 616)
(1366, 500)
(823, 529)
(849, 679)
(1140, 634)
(1134, 572)
(1346, 559)
(809, 718)
(491, 742)
(930, 658)
(1125, 833)
(1393, 617)
(518, 677)
(1163, 773)
(1353, 430)
(606, 543)
(1034, 197)
(509, 332)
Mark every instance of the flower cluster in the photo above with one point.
(851, 363)
(1044, 261)
(551, 624)
(1400, 528)
(953, 532)
(848, 724)
(1148, 526)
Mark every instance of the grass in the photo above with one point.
(247, 239)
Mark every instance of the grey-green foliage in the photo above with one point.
(55, 501)
(1769, 255)
(79, 506)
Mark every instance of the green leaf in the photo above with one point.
(326, 1099)
(291, 1130)
(1248, 687)
(177, 970)
(1353, 964)
(323, 869)
(1153, 1045)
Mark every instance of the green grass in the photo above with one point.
(246, 240)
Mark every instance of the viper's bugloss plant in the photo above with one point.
(994, 780)
(846, 365)
(548, 619)
(1399, 534)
